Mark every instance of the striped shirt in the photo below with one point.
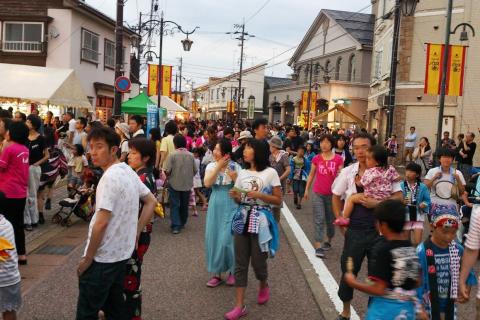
(9, 274)
(473, 236)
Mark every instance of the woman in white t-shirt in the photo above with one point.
(256, 189)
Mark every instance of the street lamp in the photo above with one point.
(186, 43)
(443, 88)
(407, 7)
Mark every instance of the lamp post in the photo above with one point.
(186, 43)
(407, 7)
(443, 88)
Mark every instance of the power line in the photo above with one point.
(258, 11)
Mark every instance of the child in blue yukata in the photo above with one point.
(440, 257)
(395, 271)
(299, 171)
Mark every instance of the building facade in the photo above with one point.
(214, 97)
(413, 107)
(333, 59)
(66, 34)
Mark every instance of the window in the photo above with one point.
(338, 68)
(351, 68)
(23, 36)
(218, 93)
(109, 54)
(378, 64)
(89, 46)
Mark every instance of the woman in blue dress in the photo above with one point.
(220, 175)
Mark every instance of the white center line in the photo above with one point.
(324, 275)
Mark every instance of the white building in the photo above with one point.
(66, 34)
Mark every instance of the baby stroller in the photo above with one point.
(81, 201)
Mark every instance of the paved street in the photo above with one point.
(174, 280)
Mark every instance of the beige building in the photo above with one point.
(336, 51)
(413, 107)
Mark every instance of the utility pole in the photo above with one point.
(309, 103)
(242, 37)
(180, 68)
(118, 55)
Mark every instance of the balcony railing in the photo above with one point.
(22, 46)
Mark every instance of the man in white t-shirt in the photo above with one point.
(72, 123)
(113, 231)
(410, 142)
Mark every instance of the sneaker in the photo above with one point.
(231, 280)
(341, 222)
(299, 206)
(48, 204)
(295, 200)
(263, 295)
(175, 231)
(326, 246)
(236, 313)
(214, 282)
(28, 227)
(319, 253)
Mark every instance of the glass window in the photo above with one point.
(90, 46)
(109, 54)
(338, 68)
(351, 68)
(23, 36)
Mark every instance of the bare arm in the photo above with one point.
(275, 198)
(376, 288)
(337, 205)
(163, 156)
(149, 203)
(46, 156)
(286, 173)
(311, 175)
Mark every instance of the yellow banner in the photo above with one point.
(231, 106)
(313, 106)
(166, 80)
(304, 101)
(433, 71)
(456, 64)
(152, 79)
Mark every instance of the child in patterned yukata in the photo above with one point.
(376, 182)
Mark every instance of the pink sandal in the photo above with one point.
(214, 282)
(236, 313)
(263, 295)
(341, 222)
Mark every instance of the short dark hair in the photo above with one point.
(328, 137)
(137, 118)
(225, 146)
(415, 167)
(171, 127)
(258, 122)
(145, 147)
(155, 133)
(445, 152)
(83, 121)
(5, 114)
(80, 150)
(69, 113)
(228, 131)
(472, 134)
(18, 132)
(6, 122)
(412, 127)
(380, 154)
(391, 212)
(301, 147)
(365, 135)
(261, 154)
(105, 133)
(179, 141)
(35, 121)
(111, 123)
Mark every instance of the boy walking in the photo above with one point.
(299, 171)
(440, 257)
(395, 273)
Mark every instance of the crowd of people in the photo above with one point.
(239, 175)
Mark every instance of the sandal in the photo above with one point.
(214, 282)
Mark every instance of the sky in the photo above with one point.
(278, 27)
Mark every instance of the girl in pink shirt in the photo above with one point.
(325, 168)
(14, 180)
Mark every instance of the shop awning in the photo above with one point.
(43, 85)
(169, 104)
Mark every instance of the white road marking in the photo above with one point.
(325, 277)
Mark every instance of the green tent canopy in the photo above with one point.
(137, 105)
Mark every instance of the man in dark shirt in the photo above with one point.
(447, 142)
(293, 141)
(466, 154)
(260, 132)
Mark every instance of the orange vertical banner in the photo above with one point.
(433, 73)
(313, 103)
(304, 101)
(152, 87)
(166, 80)
(455, 73)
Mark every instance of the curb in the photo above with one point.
(319, 293)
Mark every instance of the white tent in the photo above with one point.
(169, 104)
(44, 85)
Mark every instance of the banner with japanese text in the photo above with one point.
(313, 103)
(456, 67)
(433, 73)
(166, 80)
(152, 87)
(304, 101)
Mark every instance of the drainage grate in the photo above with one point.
(56, 250)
